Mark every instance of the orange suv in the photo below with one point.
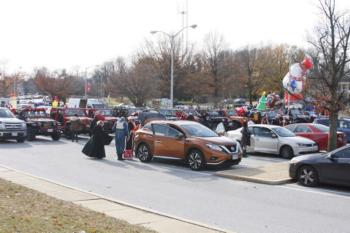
(185, 140)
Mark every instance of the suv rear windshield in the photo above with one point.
(321, 128)
(5, 113)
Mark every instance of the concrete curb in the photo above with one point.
(121, 202)
(255, 180)
(272, 174)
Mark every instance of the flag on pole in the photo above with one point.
(87, 87)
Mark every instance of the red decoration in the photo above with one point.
(307, 63)
(292, 97)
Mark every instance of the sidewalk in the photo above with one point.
(272, 174)
(159, 222)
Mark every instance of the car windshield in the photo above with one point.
(72, 112)
(35, 114)
(283, 132)
(5, 113)
(198, 130)
(295, 112)
(321, 128)
(272, 114)
(167, 112)
(345, 124)
(232, 113)
(105, 112)
(213, 114)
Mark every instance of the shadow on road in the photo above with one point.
(266, 156)
(124, 164)
(14, 145)
(47, 141)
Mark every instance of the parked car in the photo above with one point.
(11, 127)
(212, 118)
(239, 102)
(185, 140)
(170, 114)
(275, 139)
(331, 168)
(145, 117)
(65, 115)
(109, 118)
(297, 116)
(274, 117)
(343, 125)
(235, 120)
(318, 133)
(39, 123)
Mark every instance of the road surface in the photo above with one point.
(174, 189)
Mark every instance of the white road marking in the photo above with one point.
(324, 192)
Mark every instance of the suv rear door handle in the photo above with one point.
(157, 141)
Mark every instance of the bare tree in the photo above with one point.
(58, 83)
(138, 82)
(248, 59)
(214, 53)
(184, 63)
(9, 84)
(332, 46)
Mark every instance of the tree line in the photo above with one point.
(211, 74)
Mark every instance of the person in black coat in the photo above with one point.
(245, 142)
(95, 146)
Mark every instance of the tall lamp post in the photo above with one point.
(87, 84)
(172, 48)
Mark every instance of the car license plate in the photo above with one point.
(50, 130)
(234, 156)
(14, 134)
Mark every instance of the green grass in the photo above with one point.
(25, 210)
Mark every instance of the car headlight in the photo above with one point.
(2, 125)
(24, 125)
(214, 147)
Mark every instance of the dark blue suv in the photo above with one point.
(343, 125)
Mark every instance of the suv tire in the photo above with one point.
(195, 159)
(144, 153)
(286, 152)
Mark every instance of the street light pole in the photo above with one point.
(172, 41)
(172, 54)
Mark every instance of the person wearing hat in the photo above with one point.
(121, 133)
(95, 147)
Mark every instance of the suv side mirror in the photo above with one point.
(331, 157)
(273, 135)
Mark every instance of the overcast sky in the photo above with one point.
(83, 33)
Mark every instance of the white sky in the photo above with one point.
(83, 33)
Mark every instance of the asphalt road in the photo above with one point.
(172, 188)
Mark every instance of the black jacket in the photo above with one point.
(95, 146)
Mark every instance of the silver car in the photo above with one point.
(274, 139)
